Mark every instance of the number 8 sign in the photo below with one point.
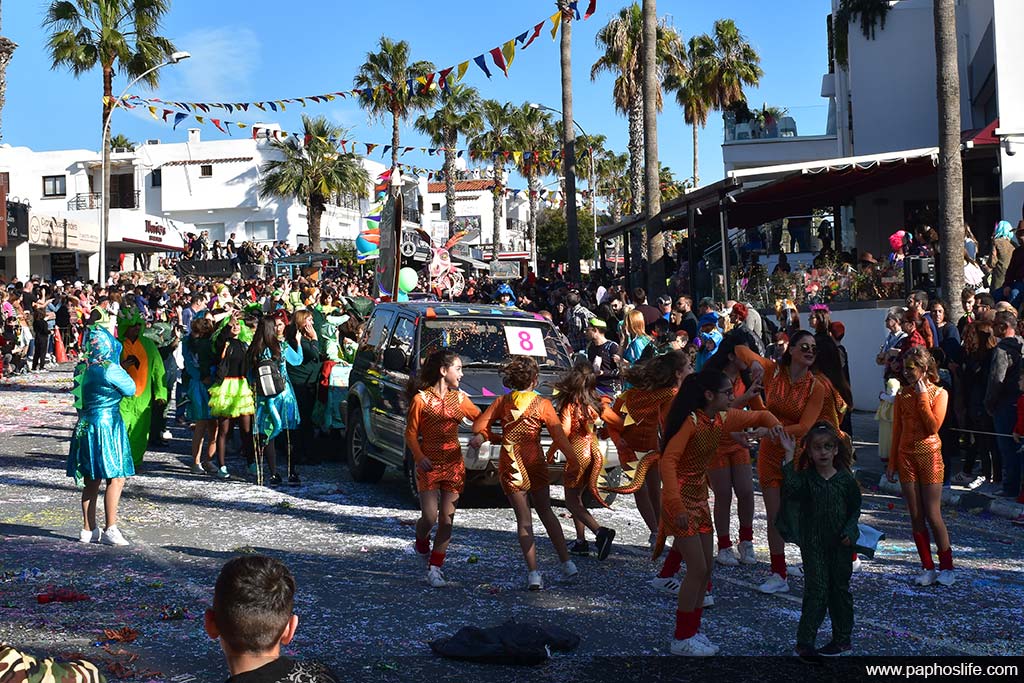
(525, 341)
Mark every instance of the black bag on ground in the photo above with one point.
(510, 643)
(269, 380)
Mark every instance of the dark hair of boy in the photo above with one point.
(253, 602)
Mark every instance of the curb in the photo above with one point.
(962, 500)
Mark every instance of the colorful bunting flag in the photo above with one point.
(482, 63)
(499, 60)
(556, 21)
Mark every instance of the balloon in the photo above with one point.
(364, 246)
(407, 279)
(403, 296)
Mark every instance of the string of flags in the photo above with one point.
(501, 57)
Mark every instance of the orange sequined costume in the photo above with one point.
(729, 452)
(432, 432)
(797, 407)
(684, 469)
(637, 438)
(916, 448)
(522, 464)
(584, 466)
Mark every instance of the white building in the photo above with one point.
(160, 192)
(474, 205)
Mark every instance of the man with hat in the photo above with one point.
(710, 338)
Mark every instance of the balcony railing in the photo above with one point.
(91, 200)
(347, 201)
(516, 225)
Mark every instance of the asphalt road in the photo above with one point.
(363, 605)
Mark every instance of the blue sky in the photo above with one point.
(245, 50)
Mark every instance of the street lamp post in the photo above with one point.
(104, 194)
(593, 176)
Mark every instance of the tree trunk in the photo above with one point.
(569, 146)
(499, 197)
(951, 176)
(636, 155)
(313, 216)
(450, 141)
(108, 109)
(696, 174)
(533, 188)
(394, 142)
(7, 48)
(652, 195)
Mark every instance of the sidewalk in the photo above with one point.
(870, 473)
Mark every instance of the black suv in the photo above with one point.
(400, 336)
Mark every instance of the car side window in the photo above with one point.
(404, 337)
(376, 331)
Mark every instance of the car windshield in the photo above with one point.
(485, 342)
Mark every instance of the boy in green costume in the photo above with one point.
(141, 358)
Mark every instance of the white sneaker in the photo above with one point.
(774, 584)
(534, 582)
(112, 536)
(927, 577)
(166, 435)
(709, 601)
(946, 577)
(435, 579)
(856, 565)
(692, 647)
(667, 585)
(704, 639)
(727, 558)
(747, 555)
(89, 536)
(569, 569)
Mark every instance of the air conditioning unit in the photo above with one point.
(153, 142)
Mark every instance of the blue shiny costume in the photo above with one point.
(281, 412)
(99, 444)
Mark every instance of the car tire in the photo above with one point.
(614, 476)
(364, 469)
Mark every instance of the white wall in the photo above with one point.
(865, 331)
(1009, 15)
(739, 154)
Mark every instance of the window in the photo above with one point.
(54, 186)
(216, 230)
(403, 338)
(260, 231)
(156, 178)
(435, 207)
(376, 331)
(206, 171)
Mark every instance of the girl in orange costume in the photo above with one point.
(578, 405)
(697, 422)
(795, 397)
(522, 467)
(642, 408)
(432, 435)
(916, 456)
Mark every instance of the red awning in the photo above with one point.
(981, 136)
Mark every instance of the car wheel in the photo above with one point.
(614, 476)
(364, 469)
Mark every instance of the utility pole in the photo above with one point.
(569, 144)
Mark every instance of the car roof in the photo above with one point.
(448, 309)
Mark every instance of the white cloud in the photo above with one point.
(223, 63)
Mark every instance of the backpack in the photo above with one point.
(269, 380)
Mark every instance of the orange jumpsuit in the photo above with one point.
(684, 469)
(432, 432)
(916, 448)
(643, 413)
(730, 453)
(797, 406)
(522, 464)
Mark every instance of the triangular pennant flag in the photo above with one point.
(385, 150)
(369, 148)
(509, 52)
(556, 21)
(591, 8)
(442, 81)
(499, 60)
(243, 106)
(462, 70)
(301, 101)
(428, 82)
(229, 108)
(201, 120)
(521, 38)
(216, 122)
(167, 112)
(255, 132)
(271, 105)
(574, 8)
(240, 124)
(228, 124)
(482, 63)
(259, 105)
(536, 32)
(152, 111)
(517, 157)
(280, 103)
(178, 118)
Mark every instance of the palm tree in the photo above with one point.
(613, 182)
(533, 131)
(459, 114)
(121, 141)
(652, 93)
(496, 137)
(388, 81)
(733, 64)
(115, 35)
(689, 81)
(313, 171)
(670, 187)
(7, 48)
(620, 42)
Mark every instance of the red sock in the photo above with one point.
(924, 549)
(855, 557)
(746, 533)
(673, 562)
(724, 542)
(423, 545)
(779, 564)
(436, 559)
(709, 587)
(946, 558)
(686, 625)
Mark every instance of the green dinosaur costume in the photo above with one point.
(817, 514)
(137, 410)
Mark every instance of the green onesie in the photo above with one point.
(816, 514)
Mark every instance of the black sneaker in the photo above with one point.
(275, 479)
(580, 547)
(605, 536)
(293, 479)
(835, 650)
(806, 653)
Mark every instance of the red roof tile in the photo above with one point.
(462, 186)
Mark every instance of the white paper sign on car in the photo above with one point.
(525, 341)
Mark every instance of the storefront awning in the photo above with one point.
(471, 262)
(143, 233)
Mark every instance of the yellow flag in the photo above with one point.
(517, 157)
(556, 21)
(152, 111)
(241, 125)
(509, 50)
(422, 80)
(201, 120)
(462, 70)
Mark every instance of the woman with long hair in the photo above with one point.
(200, 369)
(698, 420)
(828, 368)
(795, 397)
(917, 459)
(305, 381)
(231, 398)
(436, 409)
(279, 412)
(634, 337)
(579, 407)
(979, 342)
(522, 467)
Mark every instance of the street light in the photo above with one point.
(593, 176)
(173, 59)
